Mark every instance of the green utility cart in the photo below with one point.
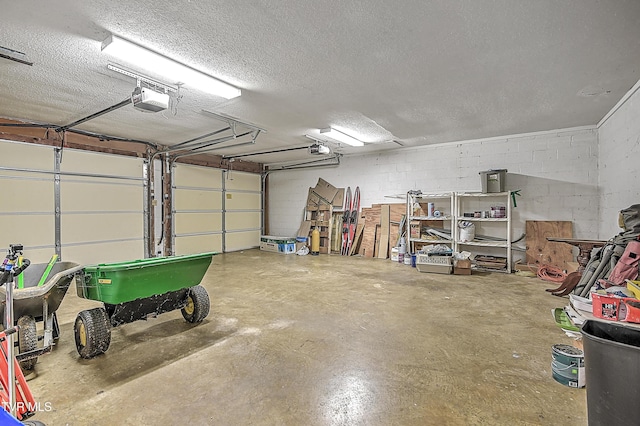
(136, 290)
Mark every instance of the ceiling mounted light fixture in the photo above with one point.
(168, 68)
(341, 137)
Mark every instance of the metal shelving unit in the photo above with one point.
(444, 203)
(485, 225)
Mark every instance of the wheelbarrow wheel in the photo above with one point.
(27, 340)
(92, 331)
(197, 307)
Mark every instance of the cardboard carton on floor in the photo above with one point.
(283, 245)
(462, 267)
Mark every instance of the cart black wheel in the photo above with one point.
(27, 340)
(93, 332)
(33, 423)
(197, 307)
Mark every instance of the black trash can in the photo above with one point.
(612, 369)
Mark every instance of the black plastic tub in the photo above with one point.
(612, 368)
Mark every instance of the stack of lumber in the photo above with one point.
(381, 229)
(491, 262)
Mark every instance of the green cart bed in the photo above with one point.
(135, 290)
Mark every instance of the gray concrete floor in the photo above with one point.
(323, 340)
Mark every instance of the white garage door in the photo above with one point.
(102, 207)
(197, 209)
(27, 207)
(100, 199)
(215, 210)
(243, 210)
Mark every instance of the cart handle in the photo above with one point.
(8, 331)
(18, 270)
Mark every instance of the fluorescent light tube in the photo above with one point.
(168, 68)
(339, 136)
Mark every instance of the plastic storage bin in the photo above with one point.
(612, 364)
(434, 264)
(493, 180)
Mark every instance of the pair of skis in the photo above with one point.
(350, 219)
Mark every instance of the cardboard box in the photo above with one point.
(415, 229)
(462, 263)
(461, 271)
(284, 245)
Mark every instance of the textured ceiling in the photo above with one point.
(418, 72)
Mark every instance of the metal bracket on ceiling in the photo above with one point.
(142, 79)
(233, 122)
(332, 161)
(14, 55)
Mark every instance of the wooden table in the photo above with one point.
(585, 247)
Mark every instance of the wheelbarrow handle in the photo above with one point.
(8, 331)
(18, 270)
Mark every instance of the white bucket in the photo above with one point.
(468, 232)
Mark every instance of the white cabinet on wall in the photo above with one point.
(492, 221)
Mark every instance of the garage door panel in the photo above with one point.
(26, 192)
(243, 181)
(243, 201)
(120, 251)
(100, 196)
(92, 163)
(197, 177)
(242, 240)
(198, 244)
(31, 230)
(100, 227)
(185, 199)
(26, 156)
(244, 220)
(191, 223)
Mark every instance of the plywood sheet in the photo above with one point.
(338, 200)
(336, 232)
(395, 216)
(542, 252)
(383, 247)
(305, 229)
(371, 219)
(235, 241)
(197, 177)
(357, 239)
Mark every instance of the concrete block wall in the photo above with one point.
(556, 172)
(619, 165)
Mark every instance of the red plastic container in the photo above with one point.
(629, 311)
(607, 306)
